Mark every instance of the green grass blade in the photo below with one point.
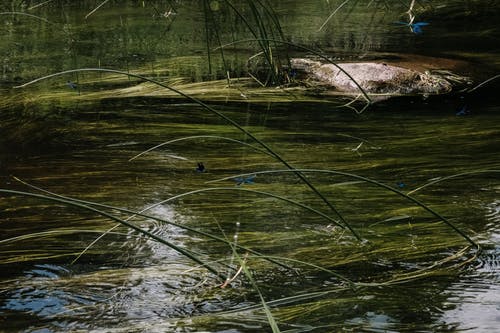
(70, 203)
(368, 180)
(451, 177)
(141, 214)
(242, 189)
(200, 137)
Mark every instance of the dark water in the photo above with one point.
(129, 283)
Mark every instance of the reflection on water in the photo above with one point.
(475, 299)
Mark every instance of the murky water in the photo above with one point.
(414, 273)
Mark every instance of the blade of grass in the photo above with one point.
(55, 233)
(332, 14)
(134, 213)
(70, 203)
(267, 310)
(484, 83)
(200, 137)
(243, 266)
(28, 15)
(209, 16)
(368, 180)
(293, 202)
(451, 177)
(96, 9)
(351, 283)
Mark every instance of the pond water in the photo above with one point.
(410, 272)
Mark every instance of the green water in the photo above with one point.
(413, 272)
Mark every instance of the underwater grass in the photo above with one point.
(428, 248)
(28, 15)
(277, 310)
(142, 214)
(441, 179)
(219, 114)
(244, 268)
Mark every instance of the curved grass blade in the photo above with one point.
(53, 233)
(293, 202)
(96, 9)
(270, 318)
(28, 15)
(39, 4)
(71, 203)
(451, 177)
(484, 83)
(332, 14)
(267, 310)
(141, 214)
(200, 137)
(368, 180)
(351, 283)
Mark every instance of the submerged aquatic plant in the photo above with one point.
(219, 114)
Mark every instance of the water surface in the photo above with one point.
(80, 148)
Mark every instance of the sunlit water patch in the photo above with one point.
(474, 302)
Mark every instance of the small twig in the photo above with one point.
(238, 272)
(97, 8)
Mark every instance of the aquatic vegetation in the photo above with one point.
(458, 257)
(319, 242)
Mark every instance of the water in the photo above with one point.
(127, 282)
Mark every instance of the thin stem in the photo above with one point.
(368, 180)
(199, 137)
(332, 14)
(450, 177)
(182, 251)
(293, 202)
